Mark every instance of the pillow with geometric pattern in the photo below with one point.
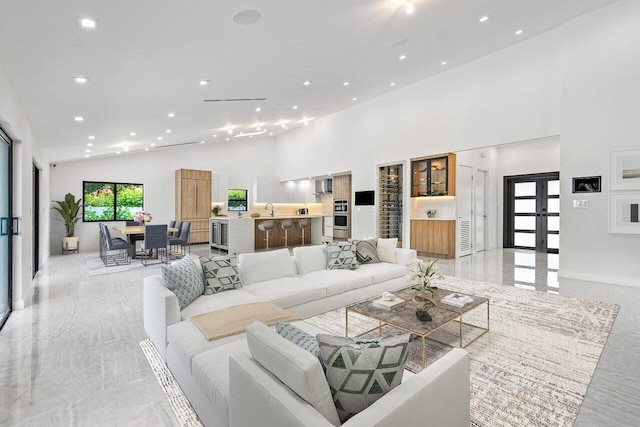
(184, 280)
(367, 251)
(220, 274)
(359, 373)
(341, 255)
(298, 337)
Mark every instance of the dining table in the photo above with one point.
(133, 231)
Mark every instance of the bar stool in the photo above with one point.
(267, 226)
(286, 225)
(303, 224)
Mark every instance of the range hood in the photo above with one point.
(324, 186)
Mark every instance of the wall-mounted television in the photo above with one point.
(365, 198)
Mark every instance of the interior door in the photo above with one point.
(532, 212)
(5, 227)
(481, 203)
(464, 193)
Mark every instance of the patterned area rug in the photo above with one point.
(533, 367)
(178, 401)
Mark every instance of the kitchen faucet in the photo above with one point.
(265, 207)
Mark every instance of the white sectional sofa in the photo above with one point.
(302, 285)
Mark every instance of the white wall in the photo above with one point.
(510, 95)
(25, 151)
(242, 161)
(600, 95)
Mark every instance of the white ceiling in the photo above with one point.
(147, 57)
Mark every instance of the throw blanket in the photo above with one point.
(234, 320)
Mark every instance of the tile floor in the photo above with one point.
(72, 357)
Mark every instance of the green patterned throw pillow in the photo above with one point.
(220, 274)
(298, 337)
(183, 279)
(366, 251)
(341, 255)
(359, 373)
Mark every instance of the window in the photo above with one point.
(238, 200)
(110, 201)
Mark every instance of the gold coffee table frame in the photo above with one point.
(404, 317)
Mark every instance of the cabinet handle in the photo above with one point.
(196, 199)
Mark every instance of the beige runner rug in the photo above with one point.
(533, 367)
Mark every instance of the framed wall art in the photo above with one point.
(624, 213)
(624, 170)
(587, 184)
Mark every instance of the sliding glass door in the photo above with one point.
(5, 227)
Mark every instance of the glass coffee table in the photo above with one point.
(404, 318)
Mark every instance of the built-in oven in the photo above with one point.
(341, 214)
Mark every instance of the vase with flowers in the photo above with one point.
(142, 217)
(424, 274)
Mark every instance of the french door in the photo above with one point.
(5, 227)
(532, 212)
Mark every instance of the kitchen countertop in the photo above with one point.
(247, 216)
(433, 219)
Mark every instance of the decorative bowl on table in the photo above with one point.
(254, 215)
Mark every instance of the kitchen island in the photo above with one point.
(241, 235)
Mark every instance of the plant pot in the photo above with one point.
(70, 244)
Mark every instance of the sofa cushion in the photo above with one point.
(341, 255)
(295, 367)
(287, 291)
(210, 371)
(262, 266)
(220, 274)
(387, 249)
(310, 258)
(207, 303)
(366, 251)
(338, 281)
(383, 271)
(361, 373)
(184, 280)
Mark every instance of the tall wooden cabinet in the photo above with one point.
(193, 202)
(342, 191)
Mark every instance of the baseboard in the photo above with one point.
(615, 280)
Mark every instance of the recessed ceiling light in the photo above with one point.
(126, 148)
(258, 109)
(392, 84)
(246, 17)
(132, 134)
(87, 23)
(201, 142)
(519, 32)
(146, 149)
(92, 137)
(152, 144)
(215, 135)
(90, 144)
(171, 115)
(117, 152)
(86, 156)
(483, 19)
(402, 57)
(354, 99)
(227, 139)
(295, 107)
(78, 118)
(168, 131)
(87, 151)
(159, 138)
(204, 82)
(307, 82)
(443, 63)
(81, 80)
(345, 84)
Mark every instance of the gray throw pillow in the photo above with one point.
(367, 252)
(341, 255)
(359, 373)
(183, 279)
(220, 274)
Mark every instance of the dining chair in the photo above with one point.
(134, 237)
(118, 245)
(155, 237)
(177, 225)
(182, 240)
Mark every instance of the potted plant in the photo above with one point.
(69, 210)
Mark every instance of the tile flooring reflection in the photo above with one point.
(72, 357)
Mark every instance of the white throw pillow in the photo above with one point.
(294, 366)
(387, 249)
(310, 258)
(263, 266)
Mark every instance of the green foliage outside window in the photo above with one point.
(106, 201)
(237, 200)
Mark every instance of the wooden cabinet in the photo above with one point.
(193, 202)
(435, 238)
(342, 191)
(276, 237)
(433, 175)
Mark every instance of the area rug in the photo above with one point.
(181, 407)
(533, 367)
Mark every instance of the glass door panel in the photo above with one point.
(5, 229)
